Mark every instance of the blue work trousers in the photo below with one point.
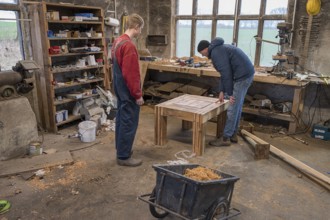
(234, 111)
(127, 120)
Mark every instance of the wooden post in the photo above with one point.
(160, 127)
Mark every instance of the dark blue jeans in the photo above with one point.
(127, 120)
(234, 111)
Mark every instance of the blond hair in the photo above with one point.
(134, 20)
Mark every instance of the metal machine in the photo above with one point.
(283, 55)
(18, 80)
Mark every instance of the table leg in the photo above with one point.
(160, 127)
(221, 121)
(297, 107)
(186, 125)
(199, 129)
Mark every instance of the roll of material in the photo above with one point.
(111, 22)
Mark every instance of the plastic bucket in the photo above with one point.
(87, 131)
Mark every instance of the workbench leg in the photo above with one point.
(186, 125)
(160, 127)
(297, 107)
(199, 130)
(221, 122)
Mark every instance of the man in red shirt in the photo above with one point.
(127, 86)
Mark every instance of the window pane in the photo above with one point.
(276, 7)
(183, 38)
(204, 7)
(10, 48)
(203, 32)
(250, 7)
(8, 1)
(270, 32)
(246, 32)
(226, 7)
(225, 29)
(184, 7)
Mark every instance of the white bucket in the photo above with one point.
(87, 131)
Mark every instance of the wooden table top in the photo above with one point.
(193, 104)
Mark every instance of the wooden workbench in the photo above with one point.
(298, 86)
(189, 108)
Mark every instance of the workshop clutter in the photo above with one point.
(55, 16)
(263, 102)
(174, 88)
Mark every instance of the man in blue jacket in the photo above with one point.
(236, 72)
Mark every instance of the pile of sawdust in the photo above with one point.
(201, 174)
(69, 176)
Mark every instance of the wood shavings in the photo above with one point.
(201, 174)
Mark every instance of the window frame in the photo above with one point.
(261, 17)
(15, 8)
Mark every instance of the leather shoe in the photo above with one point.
(130, 162)
(233, 138)
(220, 142)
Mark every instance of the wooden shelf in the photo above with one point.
(75, 22)
(268, 113)
(71, 118)
(68, 100)
(75, 38)
(40, 23)
(75, 54)
(78, 69)
(77, 83)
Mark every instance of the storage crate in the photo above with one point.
(188, 197)
(321, 132)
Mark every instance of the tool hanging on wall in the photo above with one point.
(124, 19)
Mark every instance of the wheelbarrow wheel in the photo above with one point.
(156, 212)
(218, 210)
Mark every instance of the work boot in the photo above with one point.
(130, 162)
(233, 138)
(219, 142)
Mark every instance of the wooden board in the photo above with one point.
(16, 166)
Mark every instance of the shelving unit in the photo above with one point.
(60, 74)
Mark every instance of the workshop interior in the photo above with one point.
(59, 110)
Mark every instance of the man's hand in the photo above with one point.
(221, 97)
(232, 100)
(140, 101)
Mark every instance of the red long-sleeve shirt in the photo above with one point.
(128, 61)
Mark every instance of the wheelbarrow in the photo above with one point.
(190, 199)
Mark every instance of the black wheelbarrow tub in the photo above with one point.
(187, 197)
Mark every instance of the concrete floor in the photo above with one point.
(94, 187)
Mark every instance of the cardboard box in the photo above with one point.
(53, 15)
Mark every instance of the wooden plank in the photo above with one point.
(16, 166)
(291, 160)
(261, 151)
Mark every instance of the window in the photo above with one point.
(236, 21)
(225, 30)
(183, 38)
(203, 31)
(10, 35)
